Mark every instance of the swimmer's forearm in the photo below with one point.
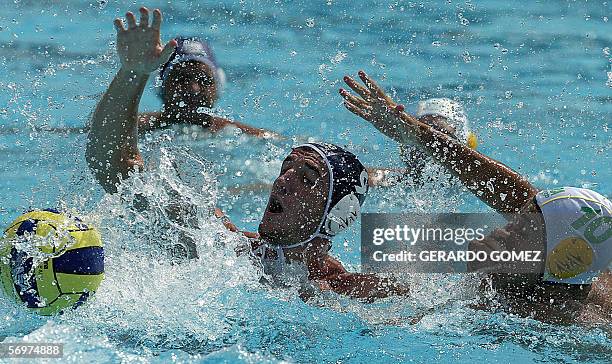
(229, 225)
(250, 130)
(494, 183)
(112, 150)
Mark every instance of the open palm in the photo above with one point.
(375, 106)
(139, 46)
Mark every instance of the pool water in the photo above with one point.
(536, 81)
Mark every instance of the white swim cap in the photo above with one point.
(193, 49)
(578, 225)
(449, 109)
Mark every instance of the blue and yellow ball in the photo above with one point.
(50, 261)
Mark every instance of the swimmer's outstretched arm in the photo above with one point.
(150, 121)
(112, 149)
(494, 183)
(332, 276)
(221, 123)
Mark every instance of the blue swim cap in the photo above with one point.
(348, 187)
(193, 49)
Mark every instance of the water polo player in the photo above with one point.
(318, 193)
(573, 226)
(191, 82)
(444, 115)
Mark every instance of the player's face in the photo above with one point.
(297, 200)
(190, 85)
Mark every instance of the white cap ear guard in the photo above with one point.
(348, 187)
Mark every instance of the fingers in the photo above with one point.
(157, 19)
(406, 118)
(131, 20)
(372, 86)
(358, 111)
(360, 90)
(144, 20)
(354, 99)
(167, 51)
(119, 25)
(144, 17)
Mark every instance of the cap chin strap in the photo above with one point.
(303, 243)
(279, 250)
(317, 233)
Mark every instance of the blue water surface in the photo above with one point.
(535, 78)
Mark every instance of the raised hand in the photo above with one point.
(510, 191)
(139, 46)
(379, 109)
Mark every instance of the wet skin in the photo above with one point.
(524, 294)
(294, 211)
(297, 200)
(191, 84)
(439, 123)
